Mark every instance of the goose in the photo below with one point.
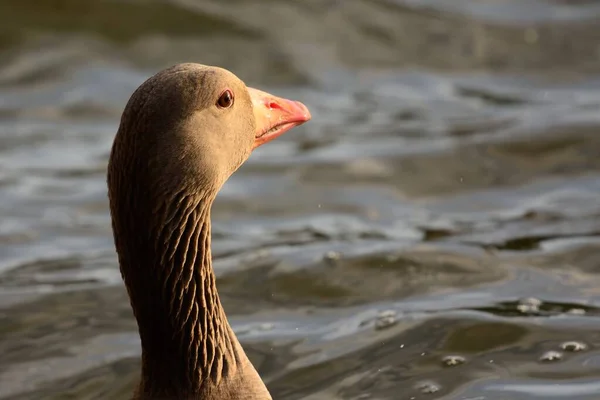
(182, 134)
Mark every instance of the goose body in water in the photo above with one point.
(182, 134)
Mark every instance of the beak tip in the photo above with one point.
(306, 116)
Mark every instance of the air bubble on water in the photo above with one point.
(428, 387)
(385, 319)
(529, 305)
(454, 360)
(387, 313)
(332, 256)
(267, 326)
(551, 356)
(573, 346)
(384, 323)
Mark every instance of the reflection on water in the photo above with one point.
(433, 233)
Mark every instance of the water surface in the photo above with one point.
(433, 233)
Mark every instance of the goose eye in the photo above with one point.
(226, 99)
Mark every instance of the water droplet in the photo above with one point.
(576, 311)
(332, 256)
(428, 387)
(551, 356)
(529, 305)
(573, 346)
(451, 361)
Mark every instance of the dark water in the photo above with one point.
(433, 233)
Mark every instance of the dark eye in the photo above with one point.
(226, 99)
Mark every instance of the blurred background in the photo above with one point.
(432, 233)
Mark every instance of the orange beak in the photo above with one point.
(274, 115)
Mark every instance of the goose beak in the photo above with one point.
(275, 115)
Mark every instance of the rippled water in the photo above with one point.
(433, 233)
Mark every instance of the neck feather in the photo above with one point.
(187, 343)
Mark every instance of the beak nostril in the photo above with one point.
(272, 105)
